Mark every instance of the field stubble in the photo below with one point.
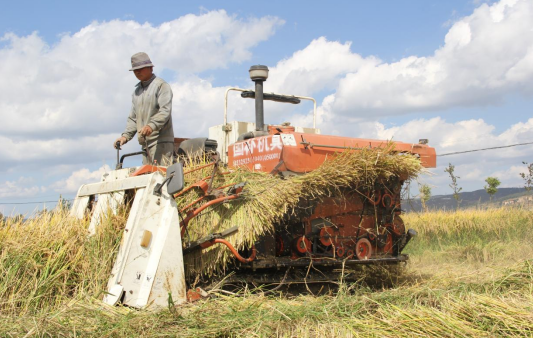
(470, 274)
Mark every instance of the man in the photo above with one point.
(151, 113)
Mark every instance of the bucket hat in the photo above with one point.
(140, 60)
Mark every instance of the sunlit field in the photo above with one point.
(469, 274)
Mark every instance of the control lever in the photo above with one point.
(117, 147)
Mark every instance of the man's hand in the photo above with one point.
(145, 131)
(120, 140)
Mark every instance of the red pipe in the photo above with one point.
(233, 251)
(191, 204)
(196, 169)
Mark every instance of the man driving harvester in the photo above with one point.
(151, 113)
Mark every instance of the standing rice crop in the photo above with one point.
(48, 259)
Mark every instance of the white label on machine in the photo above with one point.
(288, 139)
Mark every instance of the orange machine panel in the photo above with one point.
(300, 152)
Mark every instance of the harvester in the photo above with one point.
(351, 228)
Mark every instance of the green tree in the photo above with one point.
(425, 195)
(63, 204)
(528, 179)
(492, 186)
(454, 185)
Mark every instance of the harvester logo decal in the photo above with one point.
(258, 145)
(257, 150)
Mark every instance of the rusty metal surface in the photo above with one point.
(282, 262)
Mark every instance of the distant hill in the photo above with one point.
(468, 199)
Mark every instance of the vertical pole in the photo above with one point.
(259, 115)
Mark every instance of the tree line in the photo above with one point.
(491, 187)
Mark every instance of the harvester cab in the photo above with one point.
(356, 226)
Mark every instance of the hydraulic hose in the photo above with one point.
(233, 251)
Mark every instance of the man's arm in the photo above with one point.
(164, 99)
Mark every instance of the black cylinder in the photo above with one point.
(259, 115)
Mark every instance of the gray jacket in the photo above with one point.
(152, 106)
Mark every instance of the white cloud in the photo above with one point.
(475, 167)
(318, 66)
(59, 97)
(459, 136)
(485, 56)
(67, 102)
(23, 187)
(63, 150)
(511, 177)
(79, 177)
(81, 85)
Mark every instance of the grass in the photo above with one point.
(469, 276)
(473, 237)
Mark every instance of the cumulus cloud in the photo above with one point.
(23, 187)
(66, 102)
(320, 65)
(449, 137)
(485, 56)
(511, 177)
(79, 177)
(81, 84)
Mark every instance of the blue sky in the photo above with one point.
(457, 72)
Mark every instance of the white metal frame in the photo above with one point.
(149, 263)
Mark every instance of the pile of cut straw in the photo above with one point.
(266, 198)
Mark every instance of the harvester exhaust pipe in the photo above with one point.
(259, 74)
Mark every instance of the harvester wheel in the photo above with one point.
(340, 251)
(375, 200)
(303, 245)
(349, 254)
(387, 201)
(363, 249)
(326, 233)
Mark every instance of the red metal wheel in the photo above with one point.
(303, 245)
(377, 197)
(349, 253)
(326, 233)
(387, 200)
(363, 249)
(340, 251)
